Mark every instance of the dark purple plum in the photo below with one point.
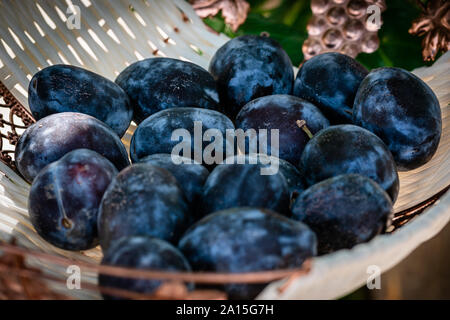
(349, 149)
(65, 196)
(293, 176)
(51, 138)
(403, 111)
(247, 240)
(330, 81)
(160, 83)
(63, 88)
(344, 211)
(141, 253)
(282, 112)
(249, 67)
(244, 185)
(143, 200)
(190, 175)
(154, 135)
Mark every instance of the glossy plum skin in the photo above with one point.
(349, 149)
(249, 67)
(243, 185)
(63, 88)
(143, 200)
(154, 135)
(247, 240)
(52, 137)
(160, 83)
(190, 175)
(344, 211)
(403, 111)
(141, 253)
(330, 81)
(281, 112)
(65, 196)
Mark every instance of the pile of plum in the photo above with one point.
(343, 134)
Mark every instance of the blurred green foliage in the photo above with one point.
(286, 20)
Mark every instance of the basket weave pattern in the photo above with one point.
(114, 34)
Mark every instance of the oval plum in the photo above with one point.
(63, 88)
(141, 253)
(244, 185)
(403, 111)
(282, 113)
(249, 67)
(247, 240)
(293, 176)
(143, 200)
(65, 196)
(344, 211)
(330, 81)
(160, 83)
(51, 138)
(154, 135)
(190, 175)
(349, 149)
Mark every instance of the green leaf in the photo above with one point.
(218, 24)
(285, 23)
(397, 47)
(290, 38)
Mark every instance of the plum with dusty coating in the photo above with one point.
(143, 200)
(293, 176)
(141, 253)
(344, 211)
(156, 84)
(52, 137)
(154, 135)
(349, 149)
(283, 113)
(64, 88)
(233, 184)
(190, 175)
(330, 81)
(65, 196)
(249, 67)
(247, 240)
(403, 111)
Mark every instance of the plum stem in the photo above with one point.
(349, 112)
(66, 223)
(302, 125)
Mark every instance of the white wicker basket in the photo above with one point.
(113, 34)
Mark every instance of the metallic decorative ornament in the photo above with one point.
(14, 119)
(346, 26)
(434, 25)
(234, 11)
